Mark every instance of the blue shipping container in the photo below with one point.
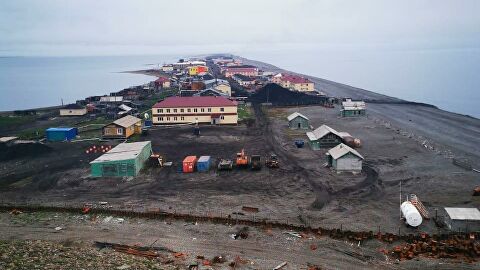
(203, 163)
(61, 134)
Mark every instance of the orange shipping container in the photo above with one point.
(189, 164)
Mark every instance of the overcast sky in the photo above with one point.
(113, 27)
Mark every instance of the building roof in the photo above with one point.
(295, 79)
(243, 78)
(125, 107)
(111, 99)
(241, 66)
(127, 121)
(73, 107)
(216, 92)
(341, 150)
(123, 151)
(61, 129)
(162, 80)
(204, 159)
(196, 101)
(295, 115)
(190, 159)
(353, 105)
(463, 213)
(320, 132)
(7, 139)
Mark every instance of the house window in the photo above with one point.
(202, 110)
(168, 110)
(160, 110)
(222, 117)
(175, 118)
(168, 118)
(195, 110)
(181, 110)
(182, 118)
(209, 109)
(160, 118)
(189, 110)
(119, 131)
(222, 109)
(174, 110)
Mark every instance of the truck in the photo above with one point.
(272, 161)
(256, 163)
(225, 165)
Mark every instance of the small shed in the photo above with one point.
(126, 159)
(73, 110)
(353, 108)
(297, 120)
(122, 128)
(463, 219)
(61, 134)
(344, 159)
(203, 163)
(189, 164)
(324, 136)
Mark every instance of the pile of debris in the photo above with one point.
(452, 247)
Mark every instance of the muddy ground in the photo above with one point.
(401, 143)
(262, 249)
(302, 191)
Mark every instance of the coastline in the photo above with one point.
(437, 128)
(436, 125)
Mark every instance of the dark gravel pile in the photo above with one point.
(278, 95)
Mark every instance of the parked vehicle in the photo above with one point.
(256, 163)
(225, 165)
(272, 161)
(242, 159)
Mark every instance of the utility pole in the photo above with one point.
(400, 199)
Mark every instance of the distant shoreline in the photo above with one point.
(368, 96)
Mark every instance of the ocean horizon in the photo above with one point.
(443, 78)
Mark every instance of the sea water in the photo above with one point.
(446, 78)
(33, 82)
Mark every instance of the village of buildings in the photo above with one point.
(215, 120)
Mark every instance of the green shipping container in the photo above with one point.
(126, 159)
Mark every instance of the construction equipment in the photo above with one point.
(156, 160)
(242, 159)
(272, 161)
(256, 162)
(225, 165)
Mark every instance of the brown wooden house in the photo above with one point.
(122, 128)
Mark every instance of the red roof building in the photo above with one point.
(163, 82)
(294, 82)
(195, 109)
(246, 70)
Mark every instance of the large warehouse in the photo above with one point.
(198, 109)
(126, 159)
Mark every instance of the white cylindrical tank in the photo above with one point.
(411, 214)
